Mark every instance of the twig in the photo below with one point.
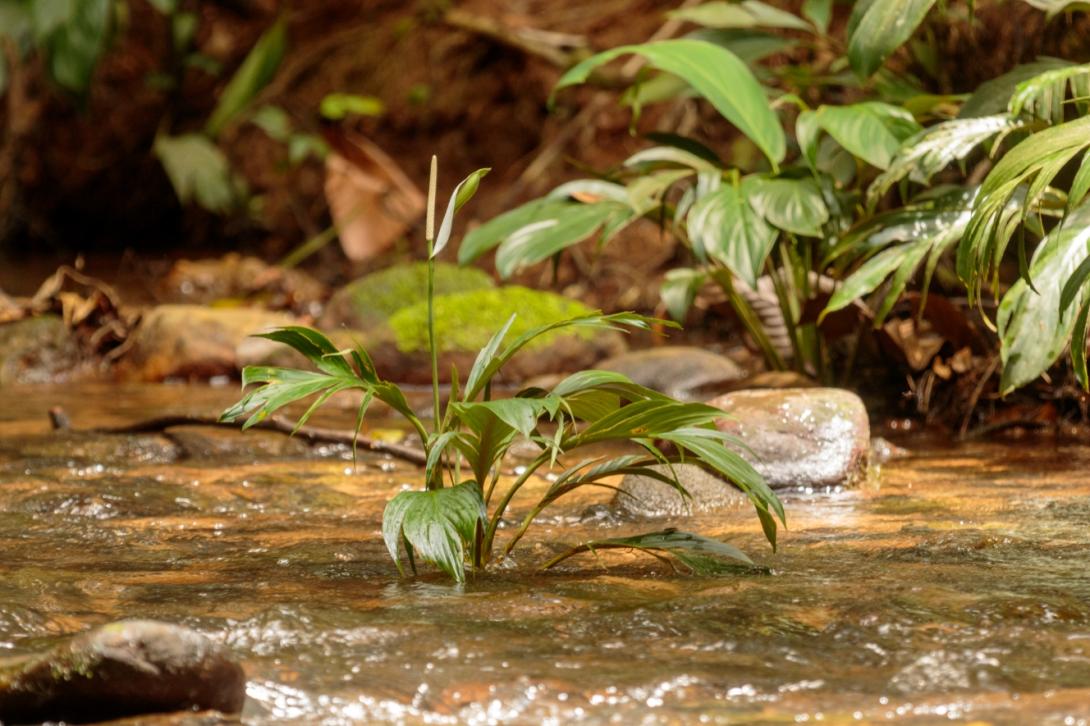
(532, 41)
(977, 391)
(279, 424)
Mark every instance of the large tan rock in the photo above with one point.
(194, 342)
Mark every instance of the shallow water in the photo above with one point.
(954, 588)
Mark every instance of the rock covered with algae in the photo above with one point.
(122, 669)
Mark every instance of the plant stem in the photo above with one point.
(494, 522)
(429, 233)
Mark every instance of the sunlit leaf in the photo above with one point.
(1032, 329)
(993, 96)
(871, 130)
(337, 106)
(439, 525)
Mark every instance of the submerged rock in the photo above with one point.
(682, 372)
(801, 437)
(194, 342)
(372, 299)
(122, 669)
(644, 496)
(36, 350)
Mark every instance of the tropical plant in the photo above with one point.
(845, 207)
(455, 518)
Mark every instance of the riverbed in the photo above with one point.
(953, 586)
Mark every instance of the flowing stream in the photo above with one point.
(954, 587)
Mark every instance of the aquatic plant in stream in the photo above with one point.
(453, 520)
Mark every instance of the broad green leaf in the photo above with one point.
(933, 149)
(337, 106)
(716, 74)
(256, 71)
(438, 524)
(793, 205)
(1032, 330)
(871, 130)
(486, 356)
(590, 191)
(461, 194)
(1080, 185)
(541, 240)
(728, 229)
(198, 170)
(701, 555)
(492, 233)
(879, 27)
(744, 14)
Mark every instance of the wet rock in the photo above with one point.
(122, 669)
(683, 372)
(36, 350)
(800, 437)
(643, 496)
(372, 299)
(194, 342)
(813, 437)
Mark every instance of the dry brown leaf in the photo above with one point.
(371, 200)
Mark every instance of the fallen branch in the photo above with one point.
(278, 424)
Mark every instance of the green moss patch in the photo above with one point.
(467, 321)
(383, 293)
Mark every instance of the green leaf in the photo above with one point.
(679, 289)
(438, 524)
(274, 121)
(1044, 95)
(820, 12)
(993, 96)
(751, 46)
(198, 170)
(256, 71)
(716, 74)
(728, 229)
(1032, 329)
(496, 230)
(701, 555)
(77, 42)
(873, 131)
(744, 14)
(1009, 193)
(879, 27)
(337, 106)
(461, 194)
(535, 242)
(793, 205)
(933, 149)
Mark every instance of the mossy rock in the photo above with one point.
(465, 322)
(372, 299)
